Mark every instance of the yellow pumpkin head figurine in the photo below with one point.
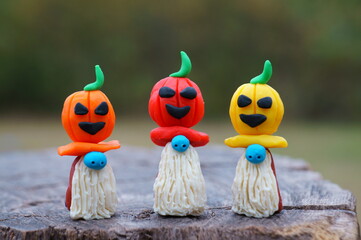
(256, 111)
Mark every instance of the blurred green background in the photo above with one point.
(48, 50)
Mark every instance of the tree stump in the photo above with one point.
(33, 186)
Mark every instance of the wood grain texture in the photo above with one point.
(33, 186)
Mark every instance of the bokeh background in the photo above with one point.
(48, 50)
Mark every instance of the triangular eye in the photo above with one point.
(265, 102)
(166, 92)
(243, 101)
(189, 93)
(80, 109)
(102, 109)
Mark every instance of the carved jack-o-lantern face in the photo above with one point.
(256, 108)
(176, 100)
(88, 115)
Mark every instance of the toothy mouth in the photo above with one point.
(253, 120)
(91, 128)
(177, 112)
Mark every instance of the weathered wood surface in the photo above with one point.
(33, 185)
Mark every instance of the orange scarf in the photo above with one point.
(82, 148)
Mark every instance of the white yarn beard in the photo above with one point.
(255, 192)
(179, 188)
(93, 193)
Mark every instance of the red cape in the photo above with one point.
(280, 205)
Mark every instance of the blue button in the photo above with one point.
(95, 160)
(255, 153)
(180, 143)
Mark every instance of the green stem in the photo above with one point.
(99, 80)
(186, 66)
(265, 76)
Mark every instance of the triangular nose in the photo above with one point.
(91, 128)
(253, 120)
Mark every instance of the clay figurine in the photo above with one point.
(256, 111)
(88, 118)
(176, 104)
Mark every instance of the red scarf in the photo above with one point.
(163, 135)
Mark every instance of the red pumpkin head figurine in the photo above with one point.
(176, 104)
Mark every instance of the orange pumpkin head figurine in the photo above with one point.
(88, 115)
(88, 118)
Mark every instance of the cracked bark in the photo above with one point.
(33, 186)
